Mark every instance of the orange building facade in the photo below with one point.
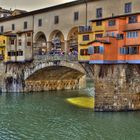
(118, 43)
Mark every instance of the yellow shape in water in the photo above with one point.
(85, 102)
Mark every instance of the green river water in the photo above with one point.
(47, 116)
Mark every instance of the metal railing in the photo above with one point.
(84, 29)
(56, 57)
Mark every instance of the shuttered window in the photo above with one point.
(90, 50)
(129, 50)
(84, 52)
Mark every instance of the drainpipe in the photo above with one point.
(86, 3)
(16, 43)
(33, 38)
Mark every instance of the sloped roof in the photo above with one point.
(52, 8)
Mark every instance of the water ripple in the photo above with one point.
(46, 116)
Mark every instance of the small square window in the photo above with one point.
(28, 34)
(13, 27)
(84, 52)
(12, 42)
(128, 7)
(99, 13)
(99, 23)
(96, 49)
(56, 19)
(28, 43)
(19, 42)
(112, 22)
(20, 53)
(98, 35)
(2, 29)
(85, 37)
(9, 53)
(132, 19)
(25, 25)
(39, 22)
(76, 16)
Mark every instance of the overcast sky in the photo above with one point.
(29, 4)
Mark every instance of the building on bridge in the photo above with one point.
(3, 42)
(16, 47)
(114, 40)
(52, 28)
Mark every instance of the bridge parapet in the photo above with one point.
(51, 58)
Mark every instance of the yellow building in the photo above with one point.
(98, 27)
(3, 42)
(85, 36)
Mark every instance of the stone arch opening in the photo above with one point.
(40, 47)
(57, 41)
(55, 78)
(73, 40)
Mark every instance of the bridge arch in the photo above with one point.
(40, 46)
(58, 75)
(72, 39)
(41, 65)
(57, 40)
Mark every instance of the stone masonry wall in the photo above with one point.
(12, 78)
(50, 85)
(117, 87)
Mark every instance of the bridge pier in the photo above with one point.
(117, 87)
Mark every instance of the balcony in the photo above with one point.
(132, 26)
(112, 28)
(106, 39)
(85, 29)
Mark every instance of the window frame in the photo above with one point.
(56, 19)
(40, 22)
(132, 19)
(99, 23)
(112, 22)
(99, 12)
(2, 29)
(13, 27)
(76, 16)
(128, 7)
(86, 37)
(25, 25)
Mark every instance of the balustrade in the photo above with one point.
(64, 57)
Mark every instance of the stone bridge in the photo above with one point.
(44, 61)
(116, 86)
(45, 72)
(48, 72)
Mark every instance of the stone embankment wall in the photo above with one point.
(117, 87)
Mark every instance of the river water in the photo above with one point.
(47, 116)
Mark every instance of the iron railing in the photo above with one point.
(84, 29)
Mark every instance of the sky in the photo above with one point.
(29, 5)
